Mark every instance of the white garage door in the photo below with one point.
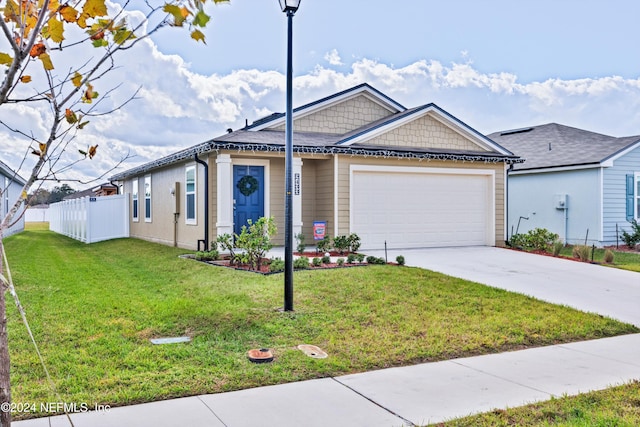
(416, 209)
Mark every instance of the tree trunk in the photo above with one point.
(5, 383)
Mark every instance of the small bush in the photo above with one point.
(608, 256)
(324, 245)
(354, 242)
(301, 263)
(375, 260)
(277, 264)
(316, 262)
(340, 261)
(300, 246)
(360, 257)
(341, 244)
(539, 239)
(400, 260)
(326, 259)
(557, 247)
(582, 252)
(351, 258)
(211, 255)
(633, 238)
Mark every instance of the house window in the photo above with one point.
(190, 194)
(134, 197)
(147, 198)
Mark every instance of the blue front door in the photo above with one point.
(248, 195)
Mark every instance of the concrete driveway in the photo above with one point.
(587, 287)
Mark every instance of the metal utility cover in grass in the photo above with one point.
(170, 340)
(312, 351)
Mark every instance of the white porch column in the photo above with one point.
(224, 223)
(297, 195)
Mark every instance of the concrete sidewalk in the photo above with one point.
(408, 396)
(432, 392)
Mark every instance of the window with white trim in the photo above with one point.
(190, 195)
(147, 198)
(134, 199)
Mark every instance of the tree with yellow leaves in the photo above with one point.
(35, 36)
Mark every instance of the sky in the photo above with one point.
(493, 64)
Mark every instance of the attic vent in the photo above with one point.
(511, 132)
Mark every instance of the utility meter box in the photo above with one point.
(561, 201)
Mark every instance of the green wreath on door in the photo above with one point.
(247, 185)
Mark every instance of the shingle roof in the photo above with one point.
(554, 145)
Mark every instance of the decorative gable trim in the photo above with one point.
(278, 119)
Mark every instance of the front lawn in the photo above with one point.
(624, 260)
(93, 309)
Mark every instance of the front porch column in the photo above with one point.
(297, 196)
(224, 223)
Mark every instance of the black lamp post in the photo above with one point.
(289, 7)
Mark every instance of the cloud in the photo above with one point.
(333, 58)
(175, 107)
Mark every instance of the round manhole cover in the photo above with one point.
(312, 351)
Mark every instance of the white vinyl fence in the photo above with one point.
(91, 219)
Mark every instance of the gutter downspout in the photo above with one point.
(206, 202)
(506, 203)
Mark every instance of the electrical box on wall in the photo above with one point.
(176, 198)
(561, 201)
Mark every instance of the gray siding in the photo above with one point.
(533, 196)
(13, 192)
(614, 187)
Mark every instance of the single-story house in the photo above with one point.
(363, 163)
(11, 184)
(582, 185)
(105, 189)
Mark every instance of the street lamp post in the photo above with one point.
(289, 7)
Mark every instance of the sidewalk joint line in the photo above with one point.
(212, 411)
(409, 423)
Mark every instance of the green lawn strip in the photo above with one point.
(94, 307)
(623, 260)
(617, 406)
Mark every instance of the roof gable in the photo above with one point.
(9, 173)
(553, 145)
(424, 127)
(338, 113)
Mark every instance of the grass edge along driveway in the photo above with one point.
(94, 307)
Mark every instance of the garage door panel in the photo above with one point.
(420, 209)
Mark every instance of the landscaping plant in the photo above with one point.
(633, 238)
(341, 244)
(400, 260)
(255, 240)
(539, 239)
(300, 246)
(354, 242)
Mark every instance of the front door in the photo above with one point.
(248, 195)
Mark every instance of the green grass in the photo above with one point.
(94, 307)
(623, 260)
(617, 406)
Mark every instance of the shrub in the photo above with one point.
(255, 240)
(375, 260)
(539, 239)
(351, 258)
(301, 263)
(324, 245)
(326, 259)
(557, 247)
(582, 252)
(360, 257)
(354, 242)
(277, 264)
(633, 238)
(340, 261)
(226, 244)
(211, 255)
(316, 262)
(608, 256)
(341, 244)
(300, 246)
(400, 260)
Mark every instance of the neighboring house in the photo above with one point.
(11, 185)
(362, 164)
(106, 189)
(582, 185)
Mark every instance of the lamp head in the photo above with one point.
(289, 5)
